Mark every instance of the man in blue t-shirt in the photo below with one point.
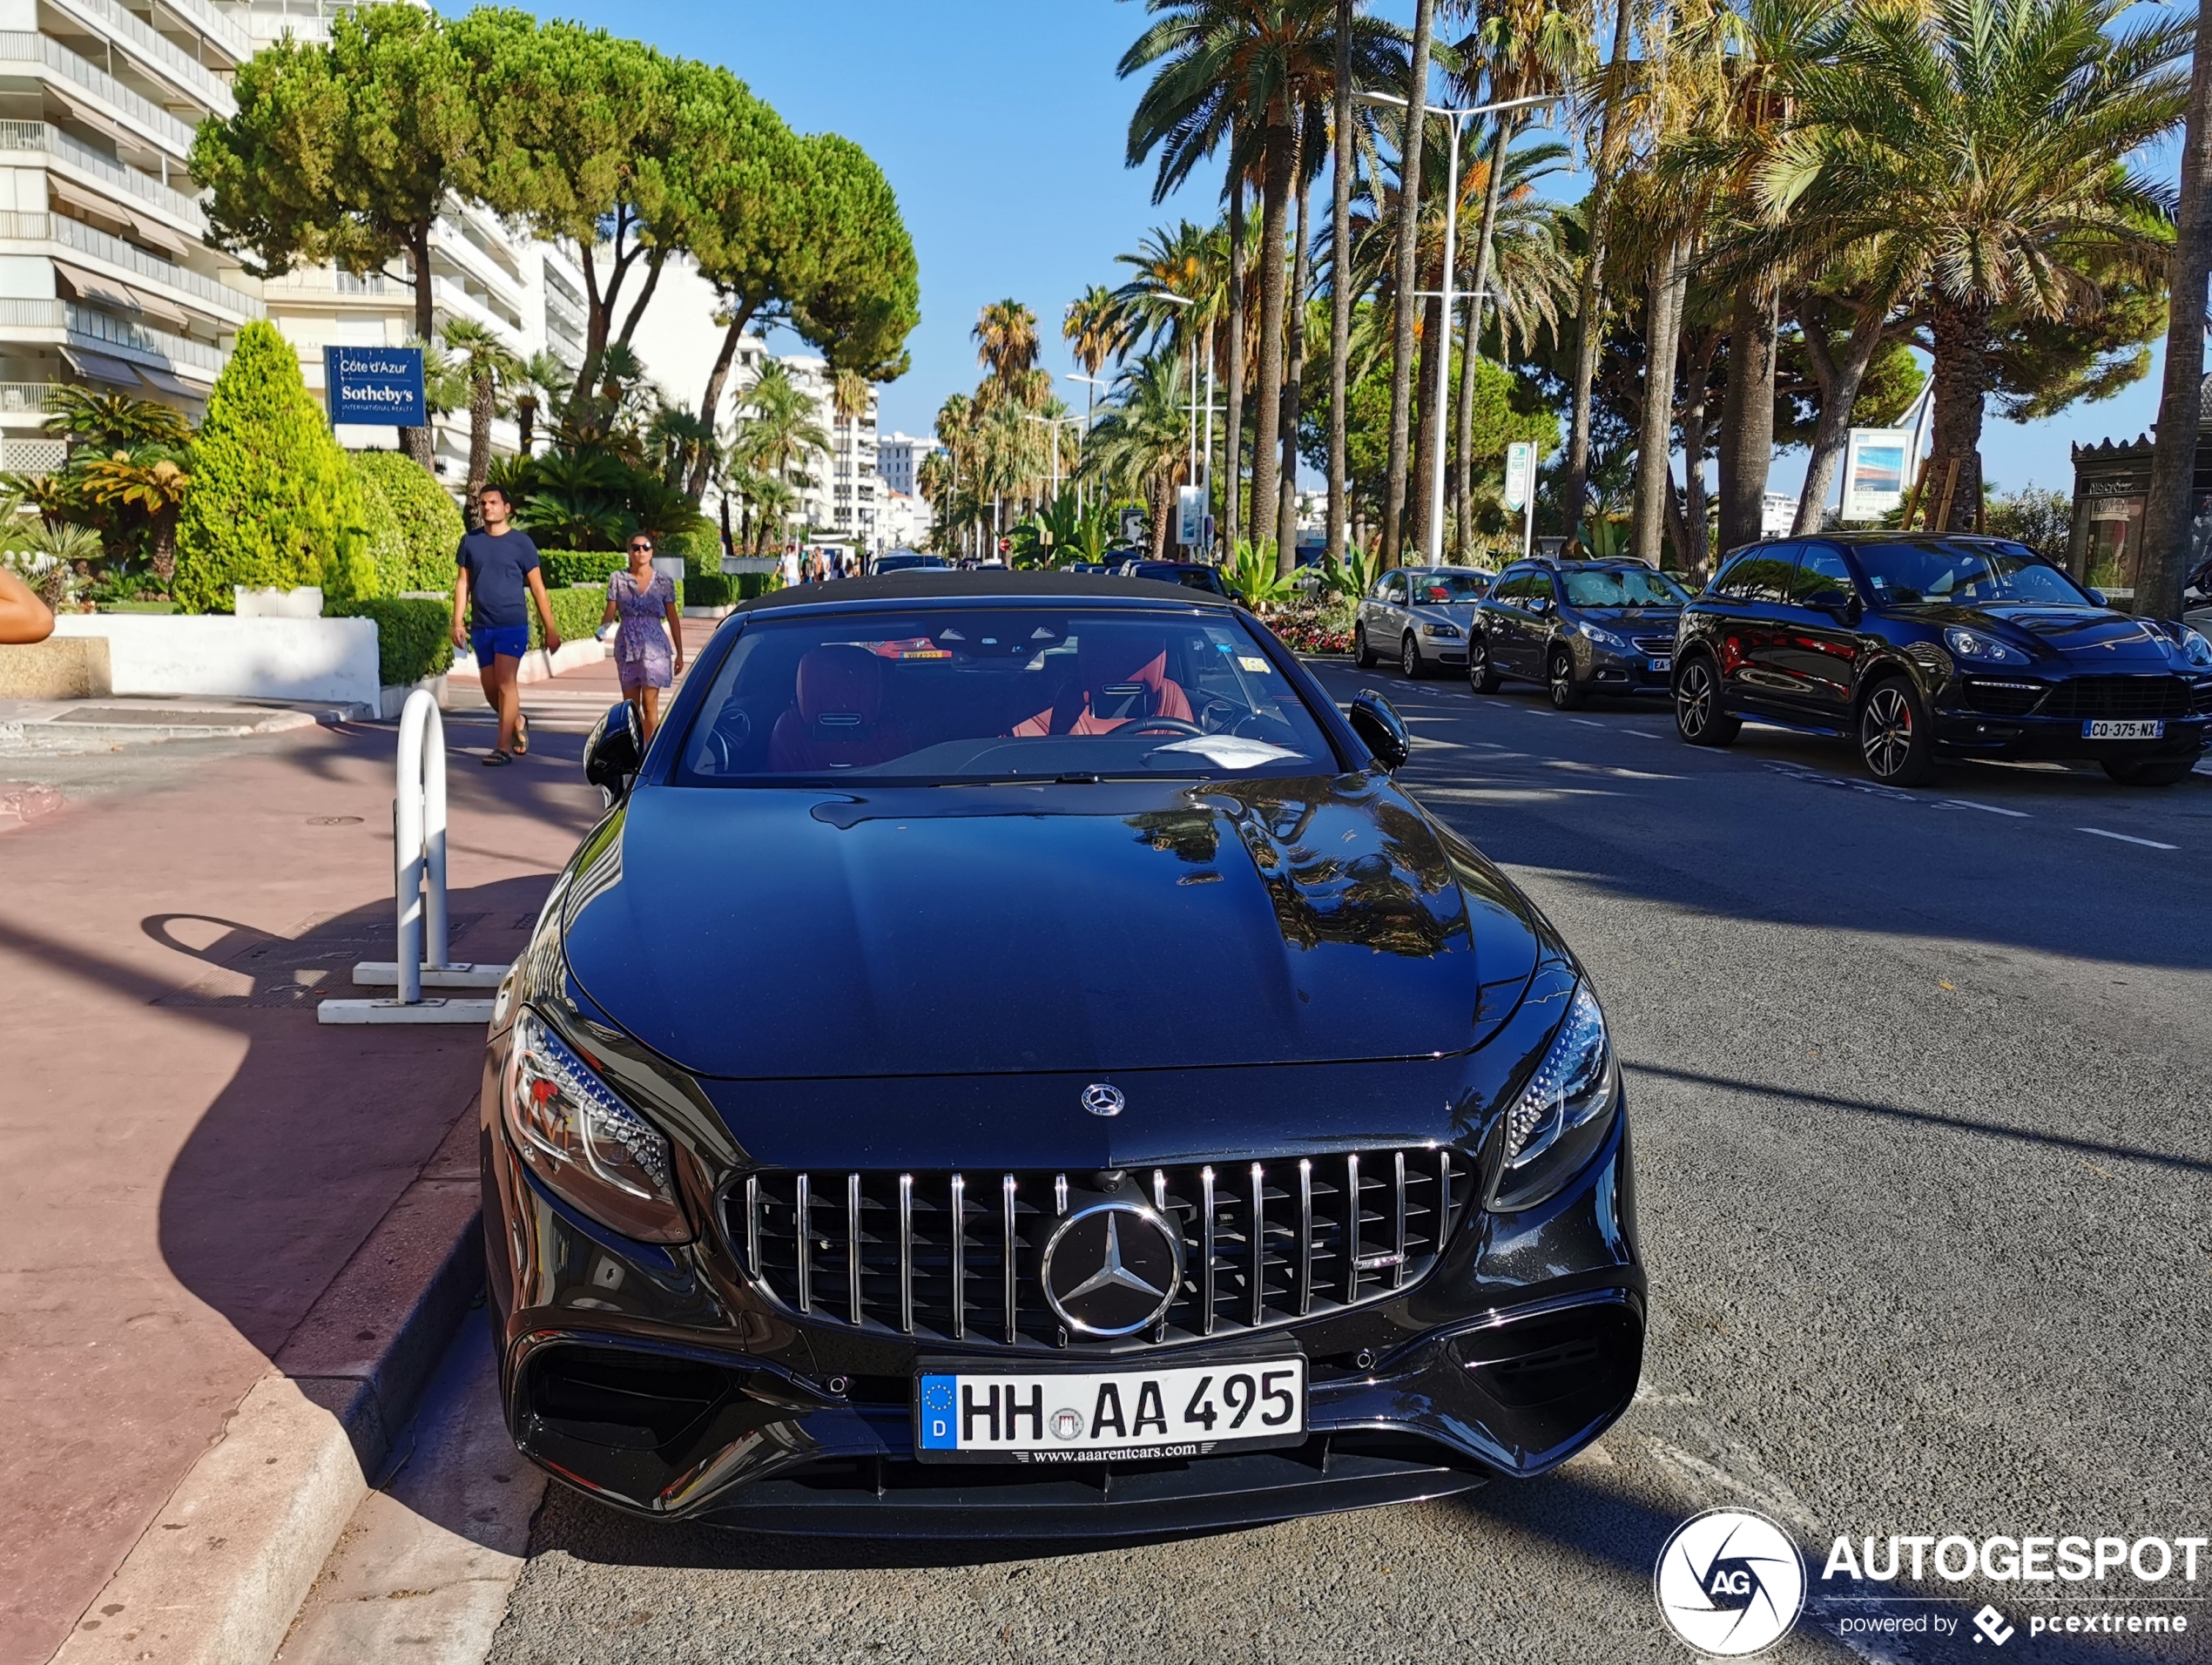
(497, 567)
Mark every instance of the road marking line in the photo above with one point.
(2124, 837)
(1586, 722)
(1644, 734)
(1987, 809)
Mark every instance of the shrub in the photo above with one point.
(759, 583)
(272, 501)
(414, 635)
(701, 549)
(576, 611)
(429, 519)
(386, 544)
(712, 589)
(566, 567)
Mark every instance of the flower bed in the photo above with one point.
(1305, 627)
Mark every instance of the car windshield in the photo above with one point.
(1011, 693)
(902, 563)
(1608, 587)
(1967, 574)
(1443, 588)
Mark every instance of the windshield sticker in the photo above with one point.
(1258, 666)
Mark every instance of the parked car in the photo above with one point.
(908, 1194)
(1418, 615)
(1918, 647)
(911, 561)
(1191, 574)
(1577, 627)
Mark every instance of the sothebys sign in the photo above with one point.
(374, 384)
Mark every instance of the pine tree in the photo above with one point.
(274, 502)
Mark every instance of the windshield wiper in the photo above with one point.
(1075, 777)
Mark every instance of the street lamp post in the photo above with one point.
(1459, 117)
(1092, 384)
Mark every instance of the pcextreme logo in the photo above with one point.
(1729, 1583)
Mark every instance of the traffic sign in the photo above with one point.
(1520, 472)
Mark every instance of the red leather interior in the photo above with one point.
(838, 721)
(1119, 677)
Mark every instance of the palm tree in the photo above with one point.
(1141, 445)
(849, 397)
(544, 380)
(1402, 351)
(2161, 568)
(1005, 338)
(1900, 139)
(778, 431)
(489, 365)
(111, 421)
(151, 478)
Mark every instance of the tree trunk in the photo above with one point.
(1689, 523)
(1961, 379)
(1294, 372)
(1435, 338)
(1267, 388)
(1232, 516)
(1747, 416)
(1340, 284)
(416, 441)
(1839, 381)
(1589, 323)
(1484, 256)
(480, 416)
(165, 547)
(1409, 227)
(2162, 567)
(711, 402)
(1663, 330)
(653, 264)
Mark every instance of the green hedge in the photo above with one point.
(566, 567)
(429, 521)
(386, 540)
(414, 635)
(712, 589)
(701, 549)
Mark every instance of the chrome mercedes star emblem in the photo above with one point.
(1135, 1277)
(1103, 1098)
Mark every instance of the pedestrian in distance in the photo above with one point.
(24, 617)
(496, 578)
(647, 656)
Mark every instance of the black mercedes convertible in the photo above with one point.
(1012, 1061)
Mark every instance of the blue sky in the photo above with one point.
(1002, 127)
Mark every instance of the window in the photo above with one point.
(1623, 587)
(1962, 571)
(1762, 573)
(943, 695)
(1446, 589)
(1539, 587)
(1393, 587)
(1821, 572)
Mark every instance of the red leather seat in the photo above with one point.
(1119, 678)
(837, 721)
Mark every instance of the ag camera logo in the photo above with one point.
(1729, 1583)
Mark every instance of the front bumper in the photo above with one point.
(661, 1382)
(1967, 733)
(1610, 670)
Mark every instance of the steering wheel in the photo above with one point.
(1160, 725)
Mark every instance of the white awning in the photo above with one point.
(100, 368)
(162, 381)
(90, 285)
(165, 313)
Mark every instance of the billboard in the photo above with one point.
(1520, 472)
(1874, 466)
(374, 384)
(1190, 515)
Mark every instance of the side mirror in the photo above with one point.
(616, 748)
(1382, 728)
(2098, 597)
(1842, 603)
(1540, 605)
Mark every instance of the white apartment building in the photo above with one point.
(104, 278)
(843, 500)
(899, 458)
(903, 519)
(531, 293)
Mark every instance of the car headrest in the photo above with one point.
(1109, 658)
(840, 686)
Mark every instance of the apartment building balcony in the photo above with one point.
(86, 256)
(227, 36)
(467, 261)
(452, 300)
(90, 90)
(153, 53)
(144, 199)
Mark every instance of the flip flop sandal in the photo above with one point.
(495, 760)
(522, 735)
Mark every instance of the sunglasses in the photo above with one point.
(640, 548)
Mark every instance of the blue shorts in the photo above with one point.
(500, 641)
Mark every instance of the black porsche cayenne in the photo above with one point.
(1923, 647)
(1011, 1061)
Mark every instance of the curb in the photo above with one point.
(218, 1577)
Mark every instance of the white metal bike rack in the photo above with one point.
(419, 872)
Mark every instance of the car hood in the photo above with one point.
(1632, 616)
(2091, 636)
(787, 933)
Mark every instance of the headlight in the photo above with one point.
(1563, 1114)
(1981, 649)
(1448, 632)
(2195, 648)
(1603, 639)
(591, 1148)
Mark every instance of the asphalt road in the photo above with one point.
(1917, 1082)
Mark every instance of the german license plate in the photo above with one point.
(1662, 665)
(969, 1415)
(2104, 728)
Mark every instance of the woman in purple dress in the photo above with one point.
(644, 659)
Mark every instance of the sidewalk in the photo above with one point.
(193, 1158)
